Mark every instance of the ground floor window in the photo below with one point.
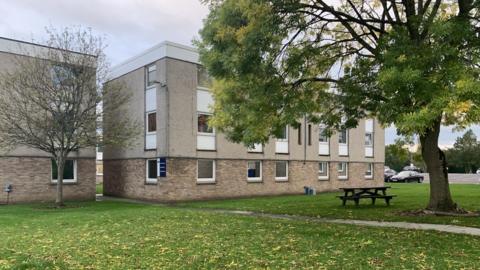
(254, 170)
(281, 170)
(342, 170)
(369, 171)
(69, 172)
(323, 170)
(152, 171)
(205, 170)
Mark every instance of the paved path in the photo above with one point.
(458, 178)
(385, 224)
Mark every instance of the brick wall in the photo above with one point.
(126, 178)
(31, 180)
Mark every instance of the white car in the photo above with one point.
(478, 171)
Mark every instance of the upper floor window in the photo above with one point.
(203, 79)
(151, 122)
(203, 126)
(368, 139)
(322, 134)
(151, 74)
(283, 136)
(343, 136)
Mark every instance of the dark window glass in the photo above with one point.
(342, 136)
(323, 169)
(152, 168)
(254, 169)
(322, 137)
(203, 126)
(152, 122)
(68, 171)
(205, 169)
(300, 134)
(284, 134)
(368, 139)
(281, 169)
(309, 134)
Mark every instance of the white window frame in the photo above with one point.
(255, 179)
(346, 137)
(345, 168)
(205, 133)
(147, 125)
(66, 181)
(286, 135)
(326, 166)
(207, 180)
(320, 128)
(147, 179)
(282, 178)
(371, 139)
(370, 168)
(148, 69)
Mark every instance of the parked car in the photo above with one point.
(388, 173)
(478, 171)
(412, 168)
(406, 177)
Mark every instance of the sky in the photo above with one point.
(129, 27)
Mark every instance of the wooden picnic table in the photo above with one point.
(373, 193)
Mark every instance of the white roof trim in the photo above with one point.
(162, 50)
(21, 48)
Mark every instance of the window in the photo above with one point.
(300, 134)
(151, 75)
(309, 134)
(205, 170)
(254, 170)
(322, 134)
(283, 136)
(69, 172)
(203, 79)
(281, 170)
(342, 170)
(368, 139)
(343, 136)
(323, 170)
(369, 171)
(151, 122)
(203, 126)
(151, 171)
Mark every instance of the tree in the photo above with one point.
(396, 156)
(410, 63)
(465, 153)
(53, 98)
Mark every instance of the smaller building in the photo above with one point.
(31, 173)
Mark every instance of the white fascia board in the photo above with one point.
(162, 50)
(30, 49)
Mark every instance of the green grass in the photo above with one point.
(113, 235)
(409, 197)
(100, 188)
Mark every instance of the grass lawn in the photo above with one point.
(113, 235)
(100, 188)
(409, 197)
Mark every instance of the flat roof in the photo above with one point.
(159, 51)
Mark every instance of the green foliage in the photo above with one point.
(396, 157)
(275, 62)
(464, 157)
(115, 235)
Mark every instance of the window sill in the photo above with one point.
(281, 179)
(368, 177)
(64, 183)
(151, 182)
(206, 182)
(206, 134)
(323, 179)
(343, 178)
(252, 180)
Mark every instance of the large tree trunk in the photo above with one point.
(59, 198)
(440, 197)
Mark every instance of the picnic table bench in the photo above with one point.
(373, 193)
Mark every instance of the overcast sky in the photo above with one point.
(129, 26)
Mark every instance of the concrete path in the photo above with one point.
(371, 223)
